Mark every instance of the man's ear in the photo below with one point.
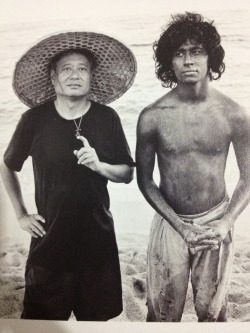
(52, 76)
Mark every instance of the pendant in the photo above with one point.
(78, 132)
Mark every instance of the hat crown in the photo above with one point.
(113, 76)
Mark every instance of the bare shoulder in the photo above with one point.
(237, 116)
(151, 114)
(233, 110)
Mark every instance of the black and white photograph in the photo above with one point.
(125, 166)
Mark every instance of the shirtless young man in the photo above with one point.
(190, 130)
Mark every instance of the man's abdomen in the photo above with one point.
(194, 183)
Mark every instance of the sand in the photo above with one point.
(132, 253)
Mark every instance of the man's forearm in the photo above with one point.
(121, 173)
(13, 189)
(239, 201)
(155, 198)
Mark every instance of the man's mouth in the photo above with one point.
(189, 71)
(74, 85)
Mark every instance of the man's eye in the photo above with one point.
(66, 69)
(198, 51)
(178, 54)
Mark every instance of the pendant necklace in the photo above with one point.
(78, 129)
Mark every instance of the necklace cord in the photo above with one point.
(78, 129)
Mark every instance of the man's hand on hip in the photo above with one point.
(29, 223)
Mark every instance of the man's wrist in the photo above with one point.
(100, 168)
(229, 225)
(183, 228)
(229, 222)
(20, 216)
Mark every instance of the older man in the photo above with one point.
(190, 129)
(76, 145)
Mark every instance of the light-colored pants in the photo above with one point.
(169, 263)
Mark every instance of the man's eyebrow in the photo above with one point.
(192, 47)
(81, 63)
(197, 47)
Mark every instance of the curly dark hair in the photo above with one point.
(183, 27)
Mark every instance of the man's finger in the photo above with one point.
(198, 248)
(211, 242)
(39, 218)
(38, 229)
(86, 156)
(91, 159)
(84, 140)
(33, 234)
(198, 228)
(208, 234)
(205, 243)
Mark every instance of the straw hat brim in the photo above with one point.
(113, 76)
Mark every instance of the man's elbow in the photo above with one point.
(244, 179)
(2, 166)
(129, 176)
(142, 184)
(5, 171)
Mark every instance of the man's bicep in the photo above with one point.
(241, 143)
(145, 148)
(242, 153)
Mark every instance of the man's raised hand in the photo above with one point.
(87, 155)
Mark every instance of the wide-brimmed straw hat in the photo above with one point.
(112, 77)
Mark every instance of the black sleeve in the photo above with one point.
(19, 147)
(122, 151)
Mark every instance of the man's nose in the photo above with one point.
(75, 74)
(188, 60)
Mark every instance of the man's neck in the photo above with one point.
(193, 92)
(72, 108)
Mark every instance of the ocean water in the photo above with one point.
(138, 33)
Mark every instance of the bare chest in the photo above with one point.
(183, 131)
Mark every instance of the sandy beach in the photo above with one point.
(128, 207)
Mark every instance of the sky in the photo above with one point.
(16, 11)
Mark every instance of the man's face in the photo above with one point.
(72, 76)
(190, 63)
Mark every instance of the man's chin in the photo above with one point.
(75, 95)
(190, 81)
